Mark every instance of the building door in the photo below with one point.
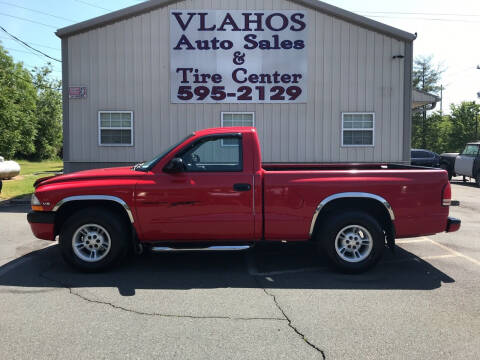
(212, 199)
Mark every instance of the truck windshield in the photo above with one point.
(470, 150)
(145, 166)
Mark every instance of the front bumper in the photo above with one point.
(42, 224)
(453, 224)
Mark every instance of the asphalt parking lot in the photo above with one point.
(269, 303)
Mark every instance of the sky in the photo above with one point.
(447, 30)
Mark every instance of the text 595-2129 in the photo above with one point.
(242, 93)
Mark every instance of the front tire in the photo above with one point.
(93, 240)
(353, 241)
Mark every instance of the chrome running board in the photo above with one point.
(209, 248)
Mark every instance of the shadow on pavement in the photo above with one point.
(7, 207)
(283, 267)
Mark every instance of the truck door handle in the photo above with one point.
(242, 187)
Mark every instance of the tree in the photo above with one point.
(17, 108)
(48, 114)
(465, 125)
(30, 111)
(437, 129)
(426, 77)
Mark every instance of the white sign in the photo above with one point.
(222, 56)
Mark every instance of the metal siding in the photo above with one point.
(65, 102)
(334, 117)
(386, 97)
(344, 82)
(125, 66)
(360, 66)
(313, 125)
(378, 97)
(370, 83)
(324, 104)
(85, 131)
(407, 101)
(353, 92)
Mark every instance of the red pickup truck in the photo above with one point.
(212, 192)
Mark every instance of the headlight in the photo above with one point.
(35, 200)
(36, 205)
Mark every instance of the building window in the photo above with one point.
(358, 129)
(115, 128)
(231, 119)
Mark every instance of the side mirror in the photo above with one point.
(174, 166)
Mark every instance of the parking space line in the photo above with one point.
(435, 257)
(454, 252)
(417, 258)
(410, 241)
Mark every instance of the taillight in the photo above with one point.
(447, 195)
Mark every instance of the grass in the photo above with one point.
(30, 171)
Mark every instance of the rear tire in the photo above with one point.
(477, 179)
(353, 241)
(93, 240)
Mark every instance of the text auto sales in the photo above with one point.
(250, 22)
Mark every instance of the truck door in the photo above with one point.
(212, 199)
(464, 161)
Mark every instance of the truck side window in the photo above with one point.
(210, 156)
(470, 150)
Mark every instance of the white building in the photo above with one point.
(320, 84)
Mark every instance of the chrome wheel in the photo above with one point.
(91, 242)
(353, 243)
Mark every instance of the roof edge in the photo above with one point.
(313, 4)
(436, 97)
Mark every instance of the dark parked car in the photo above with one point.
(421, 157)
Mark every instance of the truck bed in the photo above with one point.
(292, 192)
